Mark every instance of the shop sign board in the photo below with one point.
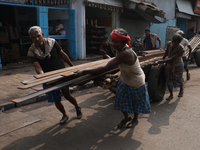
(117, 3)
(14, 1)
(197, 7)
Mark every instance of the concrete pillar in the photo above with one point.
(115, 20)
(79, 7)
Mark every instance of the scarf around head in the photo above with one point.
(118, 37)
(35, 51)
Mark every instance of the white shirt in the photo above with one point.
(132, 75)
(184, 43)
(58, 27)
(50, 28)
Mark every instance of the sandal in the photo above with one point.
(132, 124)
(169, 98)
(124, 122)
(64, 119)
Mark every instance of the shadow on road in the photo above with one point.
(160, 114)
(96, 131)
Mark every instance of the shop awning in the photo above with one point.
(185, 6)
(147, 10)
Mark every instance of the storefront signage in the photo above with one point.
(116, 3)
(105, 7)
(197, 7)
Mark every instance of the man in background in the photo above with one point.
(106, 49)
(60, 28)
(185, 43)
(149, 40)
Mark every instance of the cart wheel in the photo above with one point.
(197, 58)
(157, 82)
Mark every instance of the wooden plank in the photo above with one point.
(57, 78)
(38, 87)
(85, 65)
(26, 81)
(68, 83)
(49, 89)
(40, 82)
(40, 79)
(93, 77)
(92, 67)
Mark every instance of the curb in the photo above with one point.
(10, 105)
(6, 106)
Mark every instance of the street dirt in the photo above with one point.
(171, 125)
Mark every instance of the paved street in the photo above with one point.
(171, 125)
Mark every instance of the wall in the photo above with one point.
(58, 14)
(182, 24)
(133, 27)
(168, 6)
(160, 30)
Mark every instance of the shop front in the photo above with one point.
(14, 38)
(96, 18)
(187, 17)
(100, 21)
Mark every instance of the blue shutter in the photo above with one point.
(42, 20)
(72, 35)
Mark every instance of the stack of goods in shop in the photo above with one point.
(94, 36)
(11, 32)
(23, 50)
(9, 44)
(15, 50)
(6, 55)
(4, 36)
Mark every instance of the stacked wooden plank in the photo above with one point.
(194, 42)
(67, 76)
